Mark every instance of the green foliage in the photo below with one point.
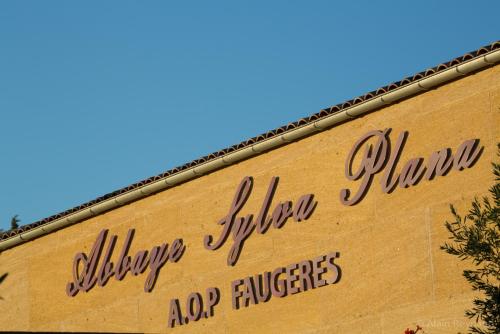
(476, 237)
(14, 222)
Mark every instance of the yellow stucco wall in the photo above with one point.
(393, 273)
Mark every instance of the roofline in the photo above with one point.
(323, 120)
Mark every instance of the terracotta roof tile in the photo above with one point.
(323, 113)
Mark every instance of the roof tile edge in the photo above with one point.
(325, 118)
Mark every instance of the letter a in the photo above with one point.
(175, 314)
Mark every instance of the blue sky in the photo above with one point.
(96, 95)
